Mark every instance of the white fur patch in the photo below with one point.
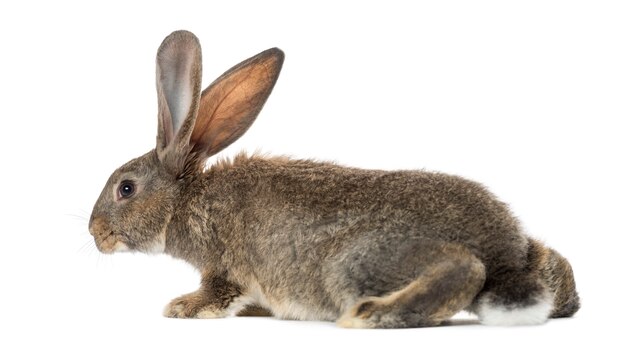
(159, 245)
(285, 308)
(498, 315)
(238, 304)
(292, 310)
(120, 247)
(207, 314)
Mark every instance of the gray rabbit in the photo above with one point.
(300, 239)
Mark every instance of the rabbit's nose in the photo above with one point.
(94, 223)
(90, 224)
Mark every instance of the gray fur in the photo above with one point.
(312, 240)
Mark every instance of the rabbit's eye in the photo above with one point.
(127, 189)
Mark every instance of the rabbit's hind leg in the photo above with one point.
(443, 288)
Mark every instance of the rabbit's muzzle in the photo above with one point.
(106, 240)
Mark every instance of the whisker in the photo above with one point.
(87, 248)
(85, 212)
(103, 261)
(99, 260)
(80, 216)
(83, 248)
(81, 219)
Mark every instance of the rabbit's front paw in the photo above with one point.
(193, 305)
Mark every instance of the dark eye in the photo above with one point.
(127, 189)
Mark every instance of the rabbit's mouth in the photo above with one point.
(110, 244)
(106, 241)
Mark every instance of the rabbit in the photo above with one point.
(309, 240)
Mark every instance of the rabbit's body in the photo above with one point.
(309, 240)
(271, 209)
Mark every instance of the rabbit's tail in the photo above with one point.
(544, 289)
(556, 272)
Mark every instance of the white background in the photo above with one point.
(525, 97)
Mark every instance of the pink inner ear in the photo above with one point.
(231, 103)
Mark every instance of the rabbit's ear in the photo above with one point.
(178, 80)
(194, 127)
(231, 103)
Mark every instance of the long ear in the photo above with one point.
(231, 103)
(178, 80)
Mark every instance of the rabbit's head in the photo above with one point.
(139, 199)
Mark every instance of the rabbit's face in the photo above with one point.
(134, 208)
(137, 203)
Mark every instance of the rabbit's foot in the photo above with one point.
(193, 305)
(358, 316)
(382, 312)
